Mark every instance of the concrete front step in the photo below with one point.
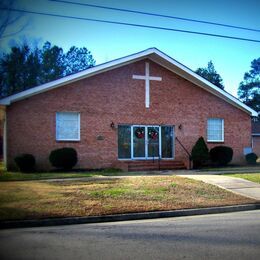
(155, 165)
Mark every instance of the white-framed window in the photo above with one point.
(67, 126)
(215, 130)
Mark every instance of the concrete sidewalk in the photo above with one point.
(236, 185)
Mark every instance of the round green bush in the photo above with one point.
(221, 155)
(63, 158)
(25, 162)
(251, 158)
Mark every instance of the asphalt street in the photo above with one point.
(219, 236)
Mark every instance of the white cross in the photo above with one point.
(147, 79)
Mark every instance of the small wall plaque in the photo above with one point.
(100, 137)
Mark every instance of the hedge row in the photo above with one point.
(218, 155)
(64, 158)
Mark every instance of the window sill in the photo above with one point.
(70, 141)
(220, 141)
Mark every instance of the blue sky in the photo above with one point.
(231, 58)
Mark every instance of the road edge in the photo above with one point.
(126, 216)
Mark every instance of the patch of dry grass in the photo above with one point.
(34, 199)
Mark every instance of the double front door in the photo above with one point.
(146, 142)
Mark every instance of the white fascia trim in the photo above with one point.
(75, 77)
(217, 90)
(124, 61)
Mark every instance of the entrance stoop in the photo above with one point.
(155, 165)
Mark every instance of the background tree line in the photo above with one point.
(25, 67)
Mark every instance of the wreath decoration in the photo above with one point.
(153, 134)
(139, 133)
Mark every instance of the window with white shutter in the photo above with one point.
(67, 126)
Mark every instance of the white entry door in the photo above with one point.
(146, 142)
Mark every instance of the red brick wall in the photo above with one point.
(256, 145)
(115, 96)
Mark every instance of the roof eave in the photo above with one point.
(205, 84)
(75, 77)
(152, 53)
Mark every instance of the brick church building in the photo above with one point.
(146, 107)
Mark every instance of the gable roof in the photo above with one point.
(154, 55)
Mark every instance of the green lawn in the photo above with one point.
(232, 168)
(18, 176)
(44, 199)
(254, 177)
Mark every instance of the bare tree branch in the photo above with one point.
(8, 18)
(14, 33)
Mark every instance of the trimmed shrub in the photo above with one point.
(251, 158)
(63, 158)
(221, 155)
(25, 162)
(200, 153)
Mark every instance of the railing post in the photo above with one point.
(153, 153)
(159, 162)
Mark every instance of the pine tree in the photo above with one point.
(211, 75)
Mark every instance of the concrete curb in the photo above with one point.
(125, 217)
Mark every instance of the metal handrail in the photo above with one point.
(187, 152)
(159, 159)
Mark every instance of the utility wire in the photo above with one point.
(157, 15)
(130, 24)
